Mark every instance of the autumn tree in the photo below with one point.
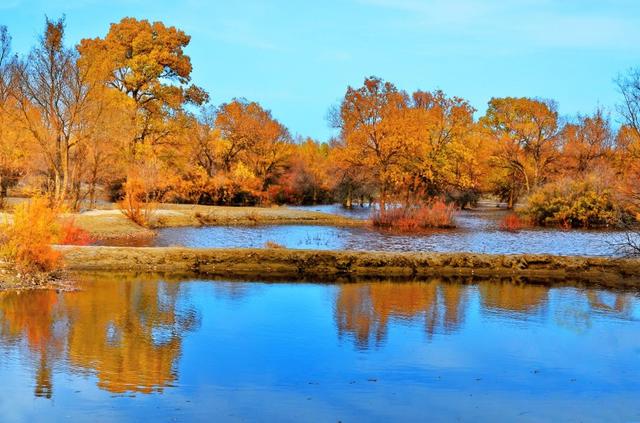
(146, 62)
(371, 121)
(13, 152)
(442, 156)
(628, 139)
(307, 179)
(629, 109)
(586, 144)
(525, 134)
(254, 138)
(349, 184)
(52, 95)
(208, 142)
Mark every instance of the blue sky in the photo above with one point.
(297, 57)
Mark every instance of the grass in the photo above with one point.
(173, 215)
(435, 215)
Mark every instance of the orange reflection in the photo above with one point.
(513, 297)
(128, 332)
(30, 317)
(364, 310)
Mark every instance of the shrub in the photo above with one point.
(73, 235)
(27, 243)
(253, 217)
(272, 244)
(512, 223)
(137, 204)
(436, 214)
(572, 204)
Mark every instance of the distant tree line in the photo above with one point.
(118, 115)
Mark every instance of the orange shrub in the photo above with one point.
(73, 235)
(27, 243)
(137, 204)
(512, 223)
(436, 214)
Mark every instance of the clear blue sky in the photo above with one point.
(297, 57)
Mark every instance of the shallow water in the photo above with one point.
(476, 232)
(126, 349)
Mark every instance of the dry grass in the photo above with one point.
(436, 214)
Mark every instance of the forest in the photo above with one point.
(117, 118)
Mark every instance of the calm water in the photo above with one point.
(127, 349)
(477, 232)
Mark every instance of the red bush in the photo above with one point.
(436, 214)
(73, 235)
(512, 223)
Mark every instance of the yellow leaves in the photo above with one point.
(241, 171)
(394, 137)
(253, 136)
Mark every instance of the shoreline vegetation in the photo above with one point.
(110, 224)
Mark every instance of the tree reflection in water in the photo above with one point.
(29, 318)
(129, 331)
(363, 310)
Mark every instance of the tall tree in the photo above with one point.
(252, 136)
(629, 87)
(13, 153)
(146, 62)
(443, 149)
(52, 95)
(586, 143)
(525, 132)
(371, 120)
(628, 140)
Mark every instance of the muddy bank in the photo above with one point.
(328, 265)
(11, 280)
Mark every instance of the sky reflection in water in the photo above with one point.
(128, 348)
(477, 232)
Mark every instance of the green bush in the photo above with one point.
(574, 204)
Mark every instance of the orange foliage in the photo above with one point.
(512, 223)
(28, 240)
(136, 205)
(127, 110)
(436, 214)
(73, 235)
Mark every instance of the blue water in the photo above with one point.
(477, 232)
(126, 349)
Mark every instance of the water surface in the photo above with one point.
(477, 231)
(131, 349)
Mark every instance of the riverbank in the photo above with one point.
(108, 224)
(284, 264)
